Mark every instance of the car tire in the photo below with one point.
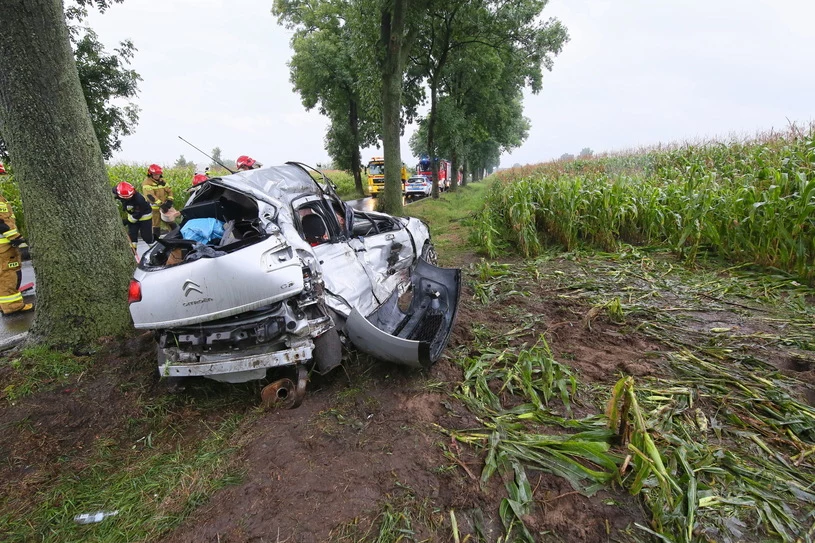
(429, 254)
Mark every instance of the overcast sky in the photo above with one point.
(634, 73)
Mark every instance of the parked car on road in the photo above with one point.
(269, 268)
(418, 186)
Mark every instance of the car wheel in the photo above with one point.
(429, 254)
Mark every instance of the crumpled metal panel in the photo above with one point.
(415, 337)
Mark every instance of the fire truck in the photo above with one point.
(425, 168)
(376, 175)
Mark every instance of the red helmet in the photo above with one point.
(199, 178)
(2, 169)
(125, 190)
(154, 169)
(244, 162)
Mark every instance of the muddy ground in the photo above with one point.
(364, 447)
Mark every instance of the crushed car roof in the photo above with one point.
(279, 182)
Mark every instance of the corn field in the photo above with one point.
(747, 202)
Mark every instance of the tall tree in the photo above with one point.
(399, 25)
(332, 76)
(506, 37)
(73, 223)
(216, 158)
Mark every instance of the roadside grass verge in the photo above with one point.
(450, 218)
(39, 368)
(719, 447)
(153, 490)
(153, 460)
(345, 184)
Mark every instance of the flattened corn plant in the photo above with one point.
(748, 202)
(720, 450)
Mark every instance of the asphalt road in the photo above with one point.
(14, 327)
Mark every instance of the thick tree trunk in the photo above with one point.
(431, 138)
(79, 250)
(353, 116)
(464, 174)
(453, 171)
(392, 31)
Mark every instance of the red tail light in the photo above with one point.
(134, 292)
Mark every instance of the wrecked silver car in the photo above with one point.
(293, 276)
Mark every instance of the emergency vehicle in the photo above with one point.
(376, 176)
(425, 168)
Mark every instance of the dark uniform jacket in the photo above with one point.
(137, 208)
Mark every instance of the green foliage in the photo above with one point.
(477, 58)
(216, 158)
(747, 202)
(334, 72)
(344, 182)
(11, 192)
(106, 80)
(179, 179)
(181, 162)
(717, 443)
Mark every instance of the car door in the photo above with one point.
(347, 280)
(386, 248)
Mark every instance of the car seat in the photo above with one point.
(314, 230)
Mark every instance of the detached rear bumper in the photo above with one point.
(418, 336)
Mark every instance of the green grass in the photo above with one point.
(450, 218)
(39, 368)
(153, 481)
(153, 490)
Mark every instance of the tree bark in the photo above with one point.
(353, 116)
(453, 171)
(431, 139)
(392, 31)
(79, 250)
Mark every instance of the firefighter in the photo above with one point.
(11, 274)
(160, 196)
(245, 162)
(139, 213)
(197, 181)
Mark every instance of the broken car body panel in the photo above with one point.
(294, 268)
(417, 336)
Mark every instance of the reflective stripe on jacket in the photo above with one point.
(10, 299)
(7, 216)
(156, 192)
(137, 208)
